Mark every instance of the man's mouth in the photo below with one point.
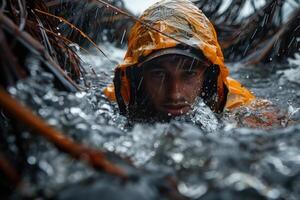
(176, 109)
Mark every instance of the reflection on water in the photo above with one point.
(211, 159)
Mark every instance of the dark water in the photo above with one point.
(216, 160)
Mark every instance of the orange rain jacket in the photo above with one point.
(182, 23)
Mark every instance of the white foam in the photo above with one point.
(293, 74)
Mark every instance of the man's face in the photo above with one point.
(173, 83)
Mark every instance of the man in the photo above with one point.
(168, 68)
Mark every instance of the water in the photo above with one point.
(211, 156)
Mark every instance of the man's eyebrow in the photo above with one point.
(195, 65)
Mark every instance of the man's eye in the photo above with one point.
(189, 74)
(158, 74)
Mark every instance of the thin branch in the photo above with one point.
(64, 39)
(37, 48)
(23, 115)
(125, 13)
(77, 29)
(23, 14)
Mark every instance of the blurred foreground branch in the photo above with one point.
(23, 115)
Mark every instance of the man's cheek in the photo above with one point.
(194, 92)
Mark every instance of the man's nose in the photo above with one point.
(175, 90)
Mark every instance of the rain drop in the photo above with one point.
(123, 36)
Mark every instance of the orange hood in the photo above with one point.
(181, 23)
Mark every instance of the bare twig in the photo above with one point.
(39, 50)
(77, 29)
(67, 41)
(125, 13)
(23, 14)
(22, 114)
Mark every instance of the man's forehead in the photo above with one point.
(179, 61)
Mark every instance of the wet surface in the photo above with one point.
(209, 155)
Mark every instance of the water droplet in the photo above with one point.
(75, 110)
(31, 160)
(80, 94)
(177, 157)
(12, 90)
(192, 191)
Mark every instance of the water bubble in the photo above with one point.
(12, 90)
(127, 144)
(31, 160)
(192, 191)
(53, 122)
(106, 107)
(82, 126)
(80, 94)
(46, 167)
(177, 157)
(229, 126)
(75, 110)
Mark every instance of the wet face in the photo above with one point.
(173, 83)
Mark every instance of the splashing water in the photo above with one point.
(210, 157)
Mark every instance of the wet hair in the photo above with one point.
(140, 105)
